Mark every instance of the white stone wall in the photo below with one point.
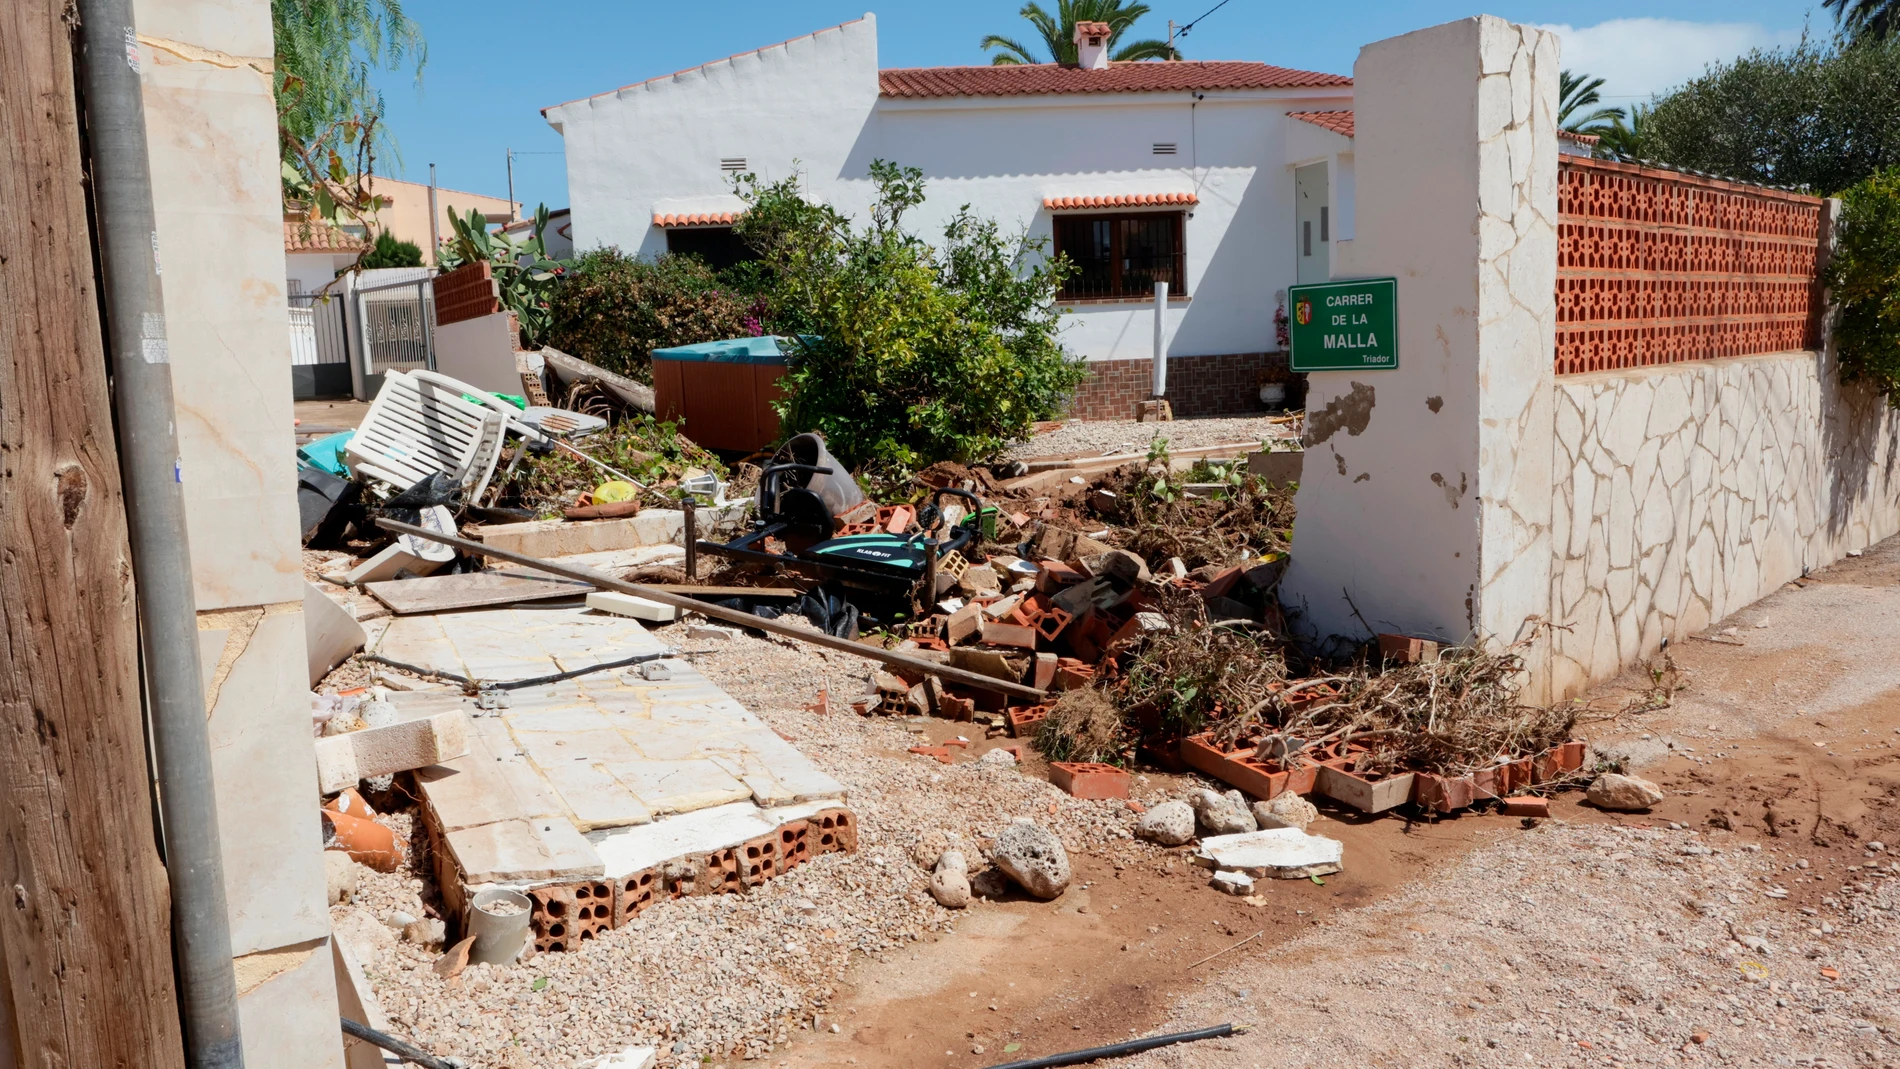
(1688, 491)
(212, 126)
(1425, 504)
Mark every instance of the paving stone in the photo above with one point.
(667, 787)
(548, 848)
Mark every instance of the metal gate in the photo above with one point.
(396, 325)
(319, 346)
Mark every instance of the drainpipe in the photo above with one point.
(1160, 363)
(155, 510)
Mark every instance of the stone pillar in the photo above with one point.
(1426, 498)
(212, 123)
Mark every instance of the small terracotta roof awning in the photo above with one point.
(671, 219)
(1121, 200)
(1339, 122)
(319, 236)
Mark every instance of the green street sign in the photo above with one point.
(1345, 326)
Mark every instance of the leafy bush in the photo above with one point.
(391, 252)
(615, 309)
(1821, 117)
(1864, 277)
(912, 353)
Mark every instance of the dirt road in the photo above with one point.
(1749, 920)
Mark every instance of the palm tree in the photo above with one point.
(1866, 20)
(1058, 33)
(1575, 92)
(1622, 138)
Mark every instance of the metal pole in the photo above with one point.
(161, 553)
(1161, 351)
(435, 233)
(690, 535)
(511, 185)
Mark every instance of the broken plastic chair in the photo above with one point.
(420, 423)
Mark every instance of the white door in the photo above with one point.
(1312, 224)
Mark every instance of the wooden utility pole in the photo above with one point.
(85, 943)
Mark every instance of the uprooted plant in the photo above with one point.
(1084, 725)
(1454, 714)
(1245, 517)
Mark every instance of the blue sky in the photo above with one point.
(493, 66)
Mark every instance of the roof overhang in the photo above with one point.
(1099, 202)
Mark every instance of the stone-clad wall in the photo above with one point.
(1685, 492)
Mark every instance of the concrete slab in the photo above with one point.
(668, 787)
(629, 850)
(531, 851)
(1282, 853)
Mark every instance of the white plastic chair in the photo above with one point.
(421, 423)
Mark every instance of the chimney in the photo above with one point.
(1091, 45)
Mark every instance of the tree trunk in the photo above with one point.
(85, 947)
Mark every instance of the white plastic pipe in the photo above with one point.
(1161, 350)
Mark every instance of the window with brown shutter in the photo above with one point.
(1122, 255)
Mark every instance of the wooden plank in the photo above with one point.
(470, 590)
(720, 612)
(85, 943)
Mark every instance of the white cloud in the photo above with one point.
(1640, 57)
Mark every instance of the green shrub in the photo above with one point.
(914, 352)
(1864, 277)
(614, 309)
(391, 252)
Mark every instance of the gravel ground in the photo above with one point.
(1573, 946)
(1095, 437)
(729, 976)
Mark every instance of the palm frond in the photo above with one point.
(1866, 20)
(1012, 52)
(1149, 49)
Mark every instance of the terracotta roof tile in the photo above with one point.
(1581, 139)
(1339, 122)
(1119, 200)
(696, 219)
(1174, 76)
(300, 236)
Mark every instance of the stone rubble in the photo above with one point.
(1613, 790)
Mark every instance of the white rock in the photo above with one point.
(997, 757)
(1031, 855)
(1286, 810)
(711, 632)
(950, 880)
(339, 876)
(429, 931)
(1282, 853)
(1232, 883)
(1222, 814)
(1170, 824)
(1613, 790)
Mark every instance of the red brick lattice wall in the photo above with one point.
(468, 292)
(1656, 267)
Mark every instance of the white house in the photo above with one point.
(1229, 180)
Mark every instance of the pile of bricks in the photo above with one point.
(568, 914)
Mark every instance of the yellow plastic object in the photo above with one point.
(608, 493)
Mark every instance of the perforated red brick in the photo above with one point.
(635, 893)
(794, 845)
(1656, 267)
(758, 860)
(836, 830)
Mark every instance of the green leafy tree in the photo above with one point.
(1865, 20)
(389, 251)
(1575, 94)
(614, 309)
(914, 352)
(1864, 280)
(521, 268)
(1819, 117)
(1058, 33)
(329, 116)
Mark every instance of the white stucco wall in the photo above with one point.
(1688, 491)
(1425, 500)
(812, 104)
